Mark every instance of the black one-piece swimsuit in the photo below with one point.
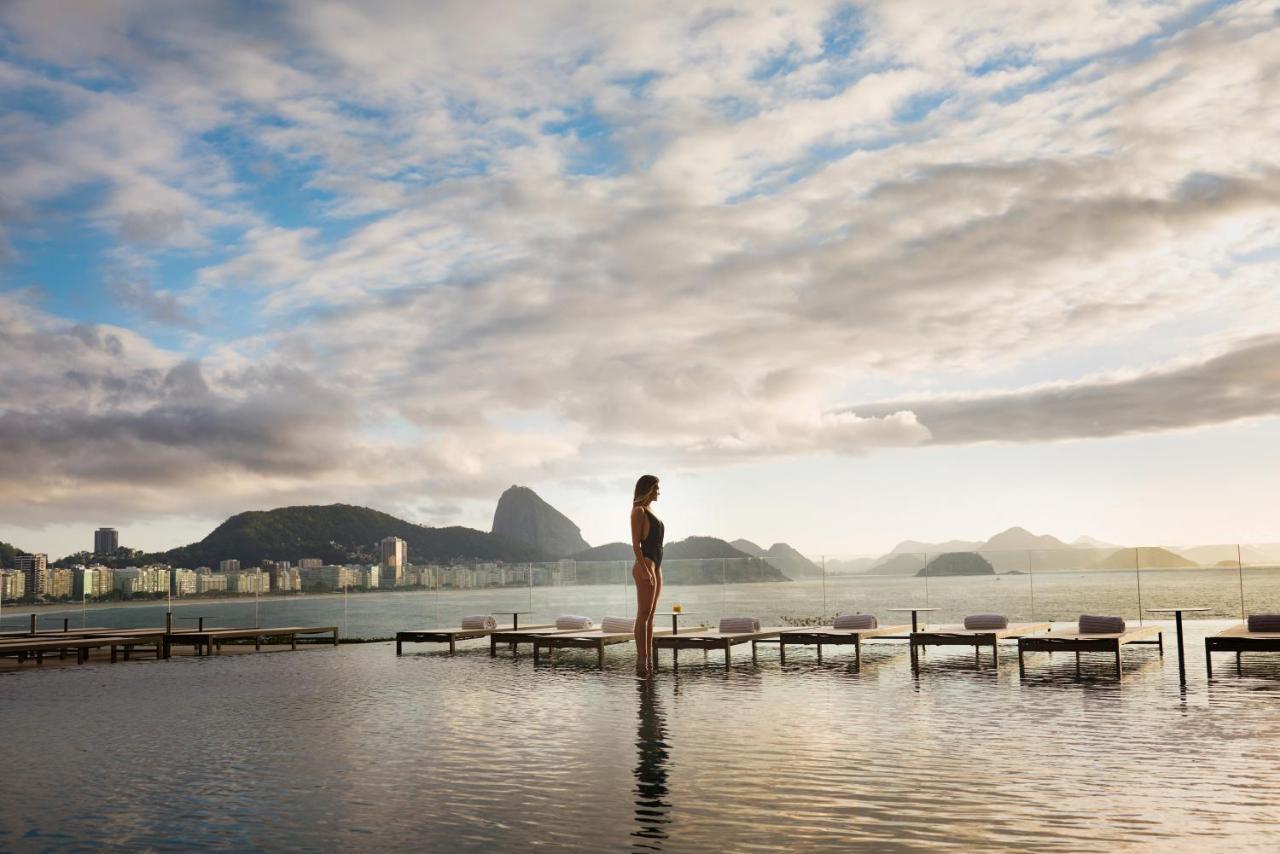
(651, 545)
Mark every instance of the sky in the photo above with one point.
(841, 274)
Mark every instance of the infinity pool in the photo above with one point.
(354, 748)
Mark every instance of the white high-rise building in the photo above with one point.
(13, 584)
(36, 569)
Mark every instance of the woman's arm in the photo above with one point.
(637, 531)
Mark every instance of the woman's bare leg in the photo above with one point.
(645, 598)
(653, 606)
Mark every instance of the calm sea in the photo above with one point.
(1041, 596)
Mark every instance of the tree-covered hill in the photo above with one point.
(336, 533)
(7, 555)
(696, 560)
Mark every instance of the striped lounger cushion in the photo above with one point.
(573, 621)
(1264, 622)
(479, 621)
(855, 621)
(986, 621)
(1093, 625)
(738, 625)
(617, 625)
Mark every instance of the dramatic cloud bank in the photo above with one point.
(412, 253)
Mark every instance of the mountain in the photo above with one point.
(1093, 543)
(1251, 555)
(609, 551)
(696, 560)
(917, 547)
(900, 564)
(791, 562)
(337, 533)
(1021, 539)
(1148, 558)
(523, 517)
(846, 566)
(783, 556)
(958, 563)
(1013, 550)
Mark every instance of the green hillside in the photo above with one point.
(1148, 557)
(336, 533)
(7, 555)
(958, 563)
(696, 560)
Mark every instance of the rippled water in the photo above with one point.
(357, 748)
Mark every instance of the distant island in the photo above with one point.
(958, 563)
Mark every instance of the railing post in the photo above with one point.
(1031, 582)
(1137, 572)
(1240, 573)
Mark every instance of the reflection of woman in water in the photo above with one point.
(652, 807)
(646, 542)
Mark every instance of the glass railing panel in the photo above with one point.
(1259, 571)
(698, 587)
(863, 585)
(1062, 584)
(594, 589)
(756, 587)
(962, 584)
(1190, 577)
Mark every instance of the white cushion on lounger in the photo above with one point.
(738, 625)
(573, 621)
(986, 621)
(855, 621)
(479, 621)
(1094, 625)
(1264, 622)
(617, 625)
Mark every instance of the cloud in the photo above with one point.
(470, 255)
(158, 306)
(1241, 383)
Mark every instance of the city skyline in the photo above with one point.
(840, 274)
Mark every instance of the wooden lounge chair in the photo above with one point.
(821, 636)
(1079, 642)
(515, 637)
(976, 638)
(449, 636)
(37, 647)
(213, 639)
(579, 639)
(1238, 639)
(712, 639)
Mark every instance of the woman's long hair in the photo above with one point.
(644, 488)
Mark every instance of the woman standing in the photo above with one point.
(646, 542)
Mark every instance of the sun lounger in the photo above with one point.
(821, 636)
(452, 636)
(1079, 642)
(37, 647)
(711, 639)
(596, 640)
(1238, 639)
(212, 639)
(515, 637)
(976, 638)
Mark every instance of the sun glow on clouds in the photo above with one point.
(411, 254)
